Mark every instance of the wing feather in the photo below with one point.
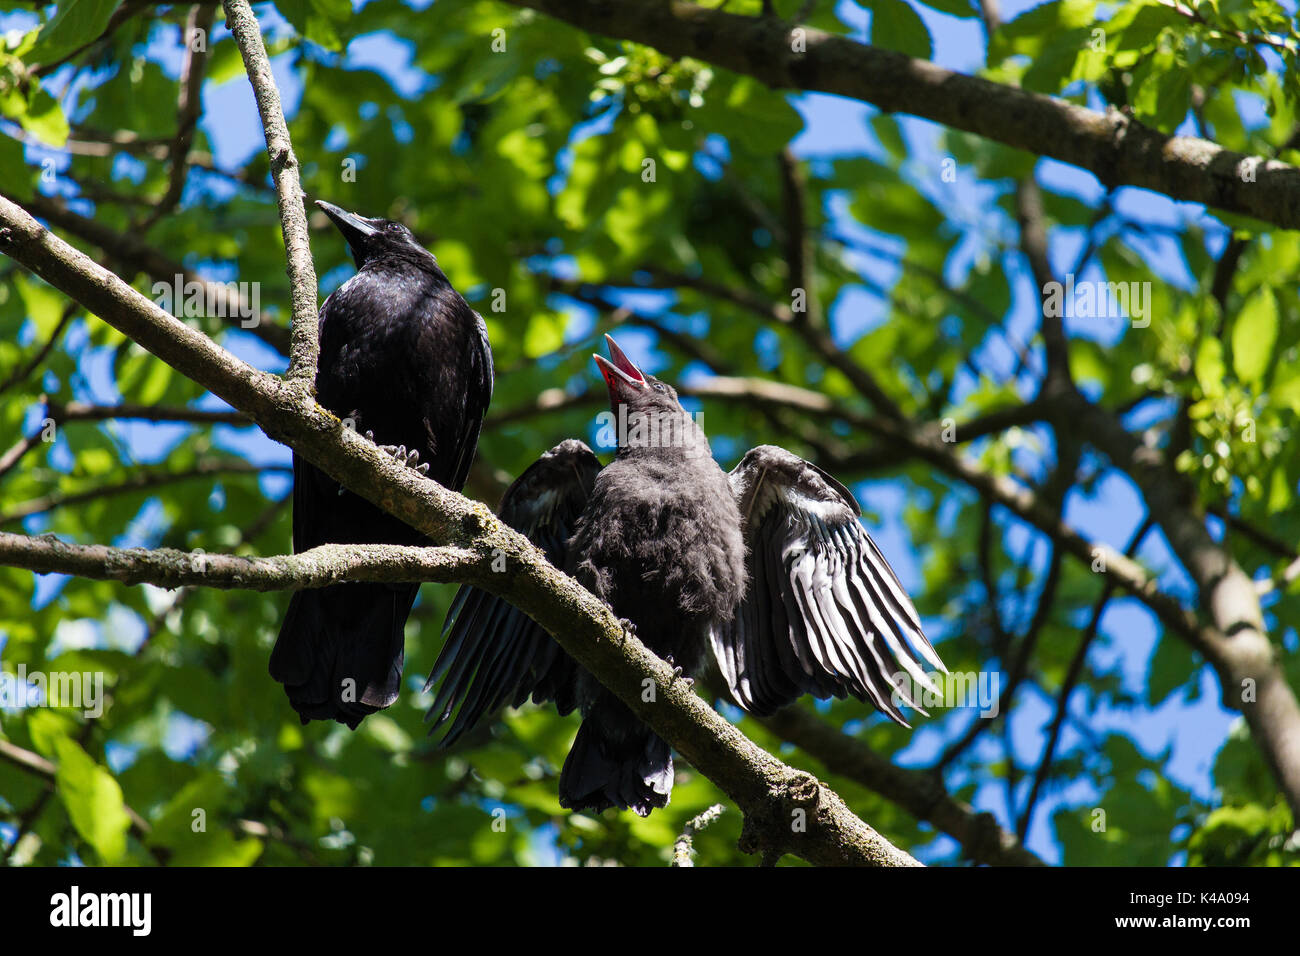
(494, 653)
(823, 612)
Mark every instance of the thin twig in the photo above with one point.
(196, 36)
(304, 348)
(683, 850)
(1071, 680)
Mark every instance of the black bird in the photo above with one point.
(406, 361)
(767, 571)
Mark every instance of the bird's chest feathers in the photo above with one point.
(672, 530)
(373, 313)
(378, 326)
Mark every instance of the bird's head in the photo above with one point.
(653, 416)
(370, 239)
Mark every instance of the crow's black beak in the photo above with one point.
(356, 229)
(620, 373)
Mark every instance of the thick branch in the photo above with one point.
(1118, 150)
(919, 793)
(1248, 664)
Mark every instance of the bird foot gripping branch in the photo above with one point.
(408, 457)
(678, 673)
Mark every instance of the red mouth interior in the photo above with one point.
(618, 370)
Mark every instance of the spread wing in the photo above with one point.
(496, 654)
(823, 613)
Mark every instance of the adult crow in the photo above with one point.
(404, 359)
(767, 570)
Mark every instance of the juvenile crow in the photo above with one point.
(406, 361)
(766, 570)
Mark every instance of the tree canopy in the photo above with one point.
(1023, 278)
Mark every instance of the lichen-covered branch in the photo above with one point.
(316, 568)
(304, 349)
(919, 792)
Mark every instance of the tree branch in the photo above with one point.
(304, 347)
(25, 369)
(918, 792)
(142, 481)
(316, 568)
(1115, 148)
(799, 249)
(1237, 645)
(87, 412)
(198, 25)
(1072, 676)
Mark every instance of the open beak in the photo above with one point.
(356, 229)
(620, 374)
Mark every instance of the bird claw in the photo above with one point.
(629, 629)
(410, 457)
(678, 673)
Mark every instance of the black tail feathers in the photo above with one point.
(616, 763)
(340, 650)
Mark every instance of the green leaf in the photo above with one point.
(216, 848)
(954, 8)
(93, 800)
(76, 23)
(760, 119)
(890, 135)
(1209, 367)
(44, 305)
(1139, 24)
(1254, 334)
(13, 167)
(318, 20)
(40, 115)
(1172, 666)
(1028, 33)
(896, 26)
